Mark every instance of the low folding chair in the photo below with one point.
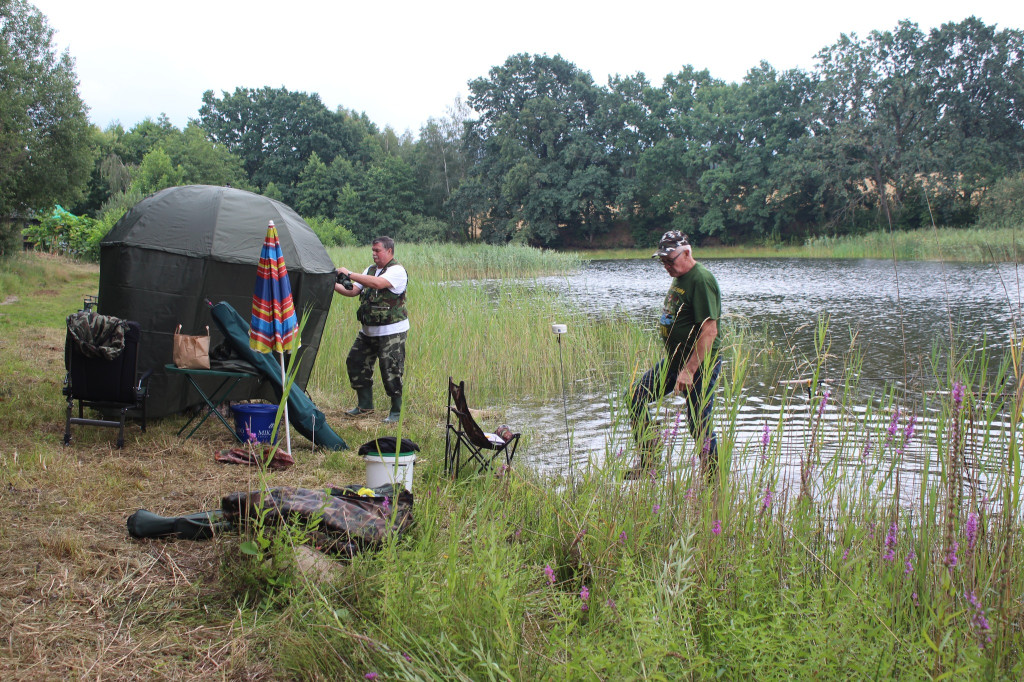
(464, 434)
(105, 385)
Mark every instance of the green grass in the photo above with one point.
(684, 580)
(948, 244)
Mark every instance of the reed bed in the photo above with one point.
(947, 244)
(822, 567)
(445, 262)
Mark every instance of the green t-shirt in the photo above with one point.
(692, 299)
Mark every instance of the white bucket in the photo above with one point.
(393, 469)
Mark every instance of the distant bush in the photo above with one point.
(1003, 205)
(331, 232)
(61, 231)
(419, 229)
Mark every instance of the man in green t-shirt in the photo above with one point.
(689, 328)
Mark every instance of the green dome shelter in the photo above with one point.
(183, 245)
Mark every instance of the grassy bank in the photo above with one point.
(947, 244)
(514, 575)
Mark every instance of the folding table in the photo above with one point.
(215, 398)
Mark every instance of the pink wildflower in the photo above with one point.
(972, 531)
(585, 597)
(717, 527)
(951, 559)
(550, 573)
(890, 543)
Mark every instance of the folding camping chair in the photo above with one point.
(104, 385)
(464, 432)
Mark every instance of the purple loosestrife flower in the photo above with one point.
(407, 657)
(846, 553)
(585, 597)
(866, 451)
(622, 537)
(767, 501)
(890, 543)
(370, 676)
(909, 563)
(951, 559)
(610, 603)
(656, 508)
(972, 531)
(958, 396)
(979, 622)
(893, 426)
(550, 574)
(908, 431)
(824, 401)
(717, 528)
(387, 505)
(913, 595)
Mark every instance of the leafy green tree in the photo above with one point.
(876, 116)
(274, 132)
(668, 172)
(316, 191)
(976, 74)
(542, 163)
(382, 201)
(144, 137)
(272, 192)
(157, 172)
(439, 164)
(46, 151)
(201, 161)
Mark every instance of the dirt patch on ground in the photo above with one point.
(9, 300)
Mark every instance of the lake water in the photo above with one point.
(896, 314)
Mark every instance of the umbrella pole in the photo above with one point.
(287, 431)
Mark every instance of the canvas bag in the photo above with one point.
(191, 352)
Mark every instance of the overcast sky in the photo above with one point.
(402, 62)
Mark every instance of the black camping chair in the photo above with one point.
(105, 385)
(463, 432)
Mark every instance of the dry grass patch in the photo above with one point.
(78, 597)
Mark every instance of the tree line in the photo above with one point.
(901, 128)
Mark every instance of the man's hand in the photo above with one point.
(684, 380)
(343, 271)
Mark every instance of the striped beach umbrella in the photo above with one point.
(274, 326)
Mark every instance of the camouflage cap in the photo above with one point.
(670, 241)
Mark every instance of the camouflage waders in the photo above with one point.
(389, 351)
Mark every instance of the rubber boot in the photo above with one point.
(364, 402)
(396, 410)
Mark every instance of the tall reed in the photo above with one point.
(887, 548)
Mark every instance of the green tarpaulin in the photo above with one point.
(182, 245)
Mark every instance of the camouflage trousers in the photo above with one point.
(389, 351)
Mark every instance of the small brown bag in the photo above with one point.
(191, 352)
